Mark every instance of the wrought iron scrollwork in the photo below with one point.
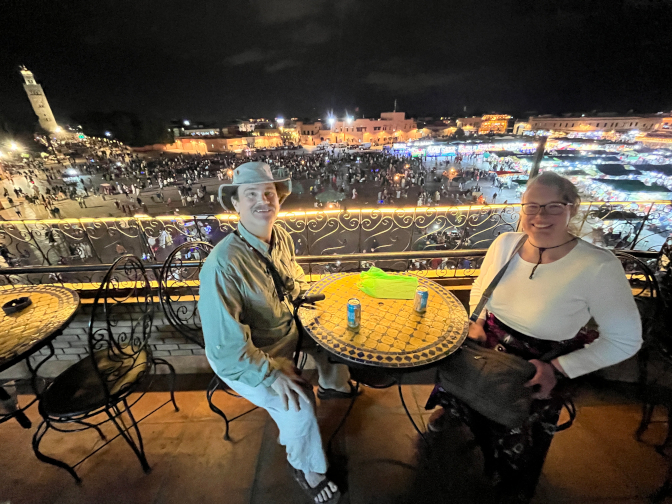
(178, 288)
(643, 226)
(120, 326)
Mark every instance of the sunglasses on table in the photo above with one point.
(551, 208)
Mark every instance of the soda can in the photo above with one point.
(420, 302)
(354, 313)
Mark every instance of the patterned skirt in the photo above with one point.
(514, 457)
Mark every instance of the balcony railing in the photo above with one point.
(448, 241)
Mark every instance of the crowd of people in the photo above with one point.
(133, 182)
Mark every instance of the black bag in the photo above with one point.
(491, 381)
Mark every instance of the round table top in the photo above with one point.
(391, 334)
(20, 333)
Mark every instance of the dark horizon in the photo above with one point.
(302, 58)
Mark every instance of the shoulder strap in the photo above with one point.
(488, 292)
(277, 281)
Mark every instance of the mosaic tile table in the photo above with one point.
(25, 332)
(391, 334)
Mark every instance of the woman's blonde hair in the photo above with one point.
(567, 191)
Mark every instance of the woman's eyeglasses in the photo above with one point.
(551, 208)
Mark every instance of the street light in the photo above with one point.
(331, 121)
(280, 121)
(348, 119)
(108, 134)
(14, 146)
(58, 129)
(186, 123)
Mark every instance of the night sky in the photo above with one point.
(217, 60)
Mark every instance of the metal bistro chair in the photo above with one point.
(655, 357)
(650, 304)
(119, 362)
(178, 292)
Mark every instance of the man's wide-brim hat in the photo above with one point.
(254, 172)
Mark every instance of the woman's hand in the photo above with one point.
(544, 377)
(477, 331)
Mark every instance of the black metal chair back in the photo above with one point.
(179, 287)
(120, 327)
(645, 290)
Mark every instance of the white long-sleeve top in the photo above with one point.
(560, 299)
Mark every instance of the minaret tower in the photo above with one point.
(38, 101)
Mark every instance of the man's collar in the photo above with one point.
(257, 243)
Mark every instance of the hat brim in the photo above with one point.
(282, 186)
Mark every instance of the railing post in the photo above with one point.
(639, 231)
(538, 157)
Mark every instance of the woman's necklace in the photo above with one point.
(543, 249)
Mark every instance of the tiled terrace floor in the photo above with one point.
(377, 456)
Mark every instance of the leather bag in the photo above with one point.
(489, 381)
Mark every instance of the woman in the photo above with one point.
(551, 289)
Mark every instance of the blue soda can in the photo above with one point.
(354, 313)
(420, 302)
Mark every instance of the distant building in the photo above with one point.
(594, 126)
(469, 125)
(237, 143)
(520, 127)
(498, 124)
(39, 101)
(201, 132)
(661, 136)
(391, 127)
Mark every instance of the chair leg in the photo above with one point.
(212, 388)
(37, 438)
(172, 379)
(647, 413)
(138, 448)
(668, 437)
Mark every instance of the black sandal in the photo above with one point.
(326, 394)
(314, 492)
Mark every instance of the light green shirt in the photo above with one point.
(245, 326)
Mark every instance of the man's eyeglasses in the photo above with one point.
(551, 208)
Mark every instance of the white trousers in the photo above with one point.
(299, 432)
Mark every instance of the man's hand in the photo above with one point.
(477, 331)
(544, 377)
(290, 386)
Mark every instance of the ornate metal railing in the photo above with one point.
(461, 266)
(640, 226)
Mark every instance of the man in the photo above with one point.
(249, 331)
